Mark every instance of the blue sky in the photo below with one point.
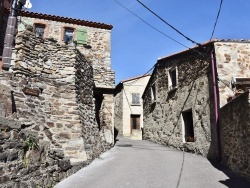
(136, 46)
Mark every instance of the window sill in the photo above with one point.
(135, 104)
(172, 89)
(153, 102)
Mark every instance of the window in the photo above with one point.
(39, 30)
(135, 122)
(153, 93)
(172, 77)
(135, 98)
(68, 35)
(188, 126)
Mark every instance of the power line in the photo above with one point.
(158, 29)
(127, 99)
(159, 32)
(216, 19)
(168, 24)
(151, 25)
(137, 79)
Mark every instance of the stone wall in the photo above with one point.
(22, 165)
(59, 108)
(234, 134)
(163, 122)
(118, 118)
(97, 50)
(233, 59)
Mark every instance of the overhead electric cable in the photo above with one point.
(159, 32)
(216, 19)
(151, 25)
(169, 24)
(137, 79)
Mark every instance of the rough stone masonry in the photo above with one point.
(50, 92)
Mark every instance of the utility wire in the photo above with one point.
(158, 29)
(137, 79)
(216, 19)
(151, 25)
(127, 99)
(159, 32)
(169, 24)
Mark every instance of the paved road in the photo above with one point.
(142, 164)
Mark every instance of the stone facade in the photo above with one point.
(50, 94)
(234, 134)
(163, 116)
(166, 117)
(96, 50)
(24, 166)
(118, 119)
(233, 59)
(128, 106)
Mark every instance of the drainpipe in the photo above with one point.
(216, 104)
(16, 7)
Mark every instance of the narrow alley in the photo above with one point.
(139, 164)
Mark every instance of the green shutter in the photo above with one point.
(24, 24)
(81, 36)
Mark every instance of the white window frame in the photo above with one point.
(153, 93)
(170, 81)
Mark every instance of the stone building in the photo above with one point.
(58, 91)
(93, 40)
(186, 90)
(128, 106)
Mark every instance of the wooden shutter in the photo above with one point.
(81, 36)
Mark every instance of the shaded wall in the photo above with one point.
(118, 116)
(235, 135)
(61, 116)
(163, 121)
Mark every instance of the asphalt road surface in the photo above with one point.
(139, 164)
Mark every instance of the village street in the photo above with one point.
(139, 164)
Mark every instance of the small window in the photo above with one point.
(135, 121)
(153, 93)
(188, 126)
(135, 98)
(172, 79)
(68, 35)
(39, 30)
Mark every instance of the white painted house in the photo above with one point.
(128, 106)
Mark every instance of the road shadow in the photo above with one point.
(124, 145)
(233, 181)
(143, 147)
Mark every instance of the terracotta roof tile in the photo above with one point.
(203, 44)
(134, 78)
(65, 19)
